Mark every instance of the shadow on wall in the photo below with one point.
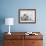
(2, 21)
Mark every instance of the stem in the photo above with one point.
(9, 28)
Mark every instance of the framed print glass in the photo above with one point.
(27, 15)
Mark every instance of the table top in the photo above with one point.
(22, 35)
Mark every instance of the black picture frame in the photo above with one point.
(27, 15)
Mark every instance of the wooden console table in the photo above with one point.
(20, 39)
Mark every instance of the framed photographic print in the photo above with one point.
(27, 15)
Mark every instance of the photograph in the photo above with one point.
(27, 15)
